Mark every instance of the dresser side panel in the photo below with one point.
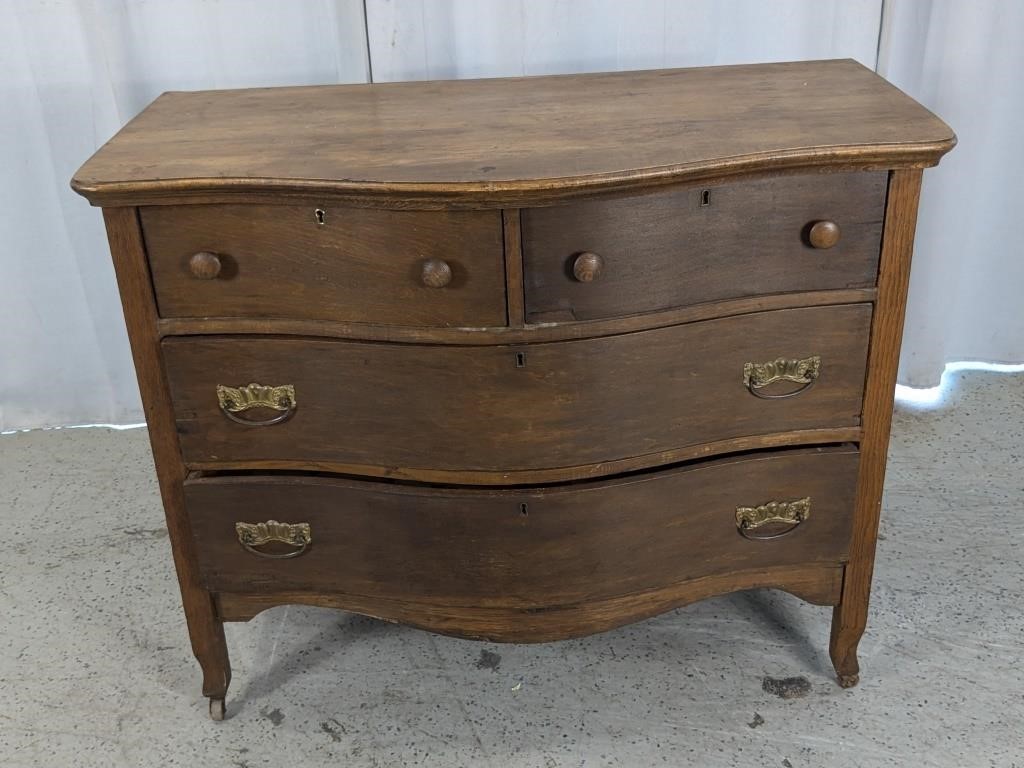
(205, 629)
(850, 617)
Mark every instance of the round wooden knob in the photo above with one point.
(204, 265)
(436, 273)
(587, 267)
(823, 234)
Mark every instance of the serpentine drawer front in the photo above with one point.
(526, 549)
(703, 243)
(520, 359)
(496, 408)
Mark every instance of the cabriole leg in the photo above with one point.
(847, 629)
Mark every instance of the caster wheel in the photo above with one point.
(848, 681)
(217, 709)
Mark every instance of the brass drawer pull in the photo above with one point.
(789, 512)
(756, 376)
(234, 400)
(252, 535)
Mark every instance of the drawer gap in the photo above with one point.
(205, 474)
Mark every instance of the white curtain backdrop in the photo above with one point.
(74, 71)
(965, 62)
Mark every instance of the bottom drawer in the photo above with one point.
(528, 547)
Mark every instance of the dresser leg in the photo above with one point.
(210, 649)
(847, 629)
(216, 669)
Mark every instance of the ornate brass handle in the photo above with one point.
(756, 376)
(788, 512)
(252, 535)
(234, 400)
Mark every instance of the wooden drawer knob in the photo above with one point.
(587, 267)
(436, 273)
(823, 234)
(204, 265)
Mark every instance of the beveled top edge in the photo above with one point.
(512, 193)
(513, 141)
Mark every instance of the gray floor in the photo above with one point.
(96, 668)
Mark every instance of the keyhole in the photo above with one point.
(520, 359)
(705, 198)
(524, 509)
(320, 214)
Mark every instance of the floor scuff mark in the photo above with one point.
(786, 687)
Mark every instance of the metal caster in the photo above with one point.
(217, 709)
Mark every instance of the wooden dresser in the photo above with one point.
(519, 359)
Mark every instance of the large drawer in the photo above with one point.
(505, 408)
(629, 255)
(529, 547)
(332, 263)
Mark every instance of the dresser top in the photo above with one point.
(511, 141)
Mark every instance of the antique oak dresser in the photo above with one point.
(519, 359)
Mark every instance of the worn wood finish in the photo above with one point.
(359, 265)
(533, 548)
(818, 583)
(530, 334)
(133, 280)
(514, 267)
(712, 242)
(850, 616)
(513, 142)
(494, 409)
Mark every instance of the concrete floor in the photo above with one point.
(96, 668)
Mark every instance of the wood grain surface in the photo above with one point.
(522, 140)
(518, 407)
(359, 265)
(817, 583)
(700, 244)
(529, 548)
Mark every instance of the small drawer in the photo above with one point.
(529, 547)
(606, 258)
(373, 406)
(410, 268)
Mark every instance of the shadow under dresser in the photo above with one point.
(520, 359)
